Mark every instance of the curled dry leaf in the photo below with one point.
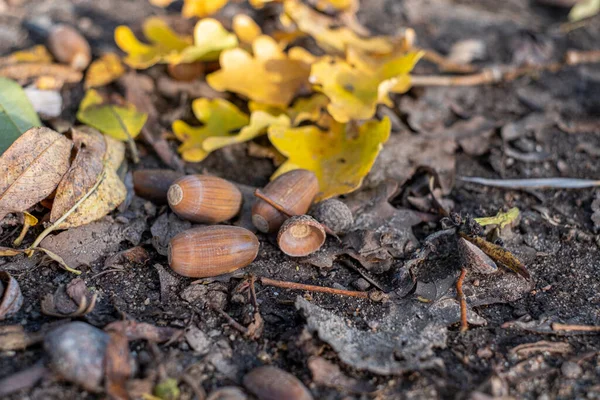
(32, 168)
(276, 76)
(74, 300)
(97, 154)
(340, 157)
(12, 298)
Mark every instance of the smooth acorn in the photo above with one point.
(300, 236)
(204, 199)
(212, 250)
(154, 184)
(295, 191)
(69, 47)
(186, 72)
(271, 383)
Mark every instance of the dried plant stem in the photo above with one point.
(464, 324)
(312, 288)
(569, 327)
(575, 57)
(59, 221)
(446, 64)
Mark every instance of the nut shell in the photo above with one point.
(272, 383)
(154, 184)
(69, 47)
(295, 190)
(204, 199)
(300, 236)
(334, 214)
(212, 250)
(186, 72)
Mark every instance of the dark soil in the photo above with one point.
(561, 247)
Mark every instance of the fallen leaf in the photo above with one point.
(584, 9)
(58, 74)
(501, 219)
(103, 71)
(336, 5)
(340, 157)
(12, 298)
(260, 121)
(210, 39)
(35, 54)
(16, 113)
(276, 76)
(70, 301)
(355, 91)
(308, 109)
(219, 117)
(32, 168)
(165, 44)
(96, 154)
(121, 123)
(245, 28)
(201, 8)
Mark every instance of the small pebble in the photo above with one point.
(571, 370)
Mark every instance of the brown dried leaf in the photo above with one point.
(117, 366)
(14, 337)
(32, 168)
(58, 73)
(12, 298)
(74, 300)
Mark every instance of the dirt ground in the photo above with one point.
(555, 234)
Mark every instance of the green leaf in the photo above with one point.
(16, 113)
(584, 9)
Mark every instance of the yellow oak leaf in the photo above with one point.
(245, 28)
(103, 71)
(115, 121)
(354, 92)
(201, 8)
(260, 121)
(35, 54)
(270, 76)
(219, 117)
(340, 157)
(210, 39)
(333, 39)
(308, 109)
(164, 46)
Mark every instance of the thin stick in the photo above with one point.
(575, 57)
(446, 64)
(464, 324)
(130, 141)
(59, 221)
(312, 288)
(569, 327)
(231, 321)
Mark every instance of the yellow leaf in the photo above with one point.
(354, 92)
(115, 121)
(340, 157)
(260, 121)
(333, 39)
(201, 8)
(502, 218)
(210, 39)
(164, 43)
(245, 28)
(337, 5)
(219, 117)
(268, 77)
(35, 54)
(103, 71)
(308, 109)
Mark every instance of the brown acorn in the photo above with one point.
(334, 214)
(69, 47)
(212, 250)
(154, 184)
(204, 199)
(186, 72)
(300, 236)
(295, 191)
(272, 383)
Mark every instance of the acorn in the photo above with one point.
(186, 72)
(212, 250)
(69, 47)
(204, 199)
(300, 236)
(334, 214)
(154, 184)
(227, 393)
(295, 191)
(272, 383)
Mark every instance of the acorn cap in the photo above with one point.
(300, 236)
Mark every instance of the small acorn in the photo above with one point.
(212, 250)
(272, 383)
(300, 236)
(334, 214)
(69, 47)
(295, 191)
(204, 199)
(154, 184)
(227, 393)
(186, 72)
